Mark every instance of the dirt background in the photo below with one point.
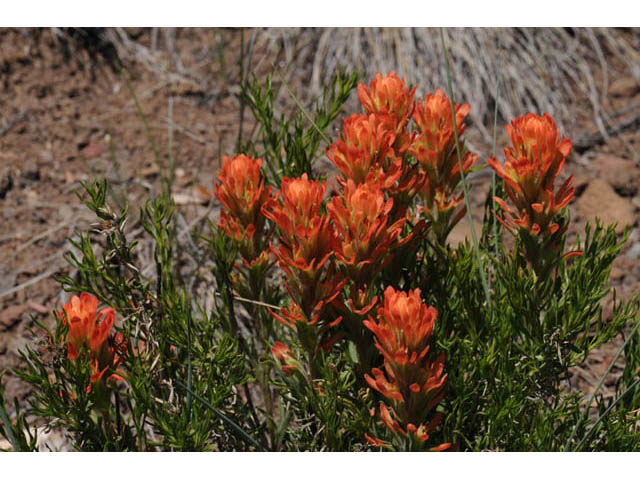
(67, 115)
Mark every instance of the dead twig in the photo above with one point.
(590, 140)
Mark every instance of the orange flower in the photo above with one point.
(366, 145)
(88, 327)
(243, 193)
(307, 241)
(533, 162)
(282, 353)
(299, 205)
(436, 152)
(388, 95)
(411, 381)
(361, 216)
(434, 122)
(404, 326)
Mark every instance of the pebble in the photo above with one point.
(600, 200)
(624, 87)
(634, 252)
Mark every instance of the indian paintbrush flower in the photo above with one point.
(365, 152)
(242, 192)
(435, 150)
(307, 241)
(89, 328)
(287, 362)
(411, 381)
(388, 95)
(533, 162)
(367, 234)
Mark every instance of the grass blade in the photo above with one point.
(304, 110)
(493, 149)
(483, 278)
(7, 424)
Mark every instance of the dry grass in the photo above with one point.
(540, 69)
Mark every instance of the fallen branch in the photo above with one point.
(590, 140)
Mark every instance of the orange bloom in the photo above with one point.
(282, 353)
(434, 122)
(412, 383)
(435, 149)
(243, 193)
(307, 241)
(533, 162)
(388, 95)
(299, 205)
(361, 216)
(404, 326)
(90, 328)
(365, 148)
(86, 325)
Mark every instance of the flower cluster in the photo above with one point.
(367, 234)
(411, 382)
(306, 243)
(533, 162)
(89, 328)
(388, 96)
(435, 150)
(242, 193)
(373, 144)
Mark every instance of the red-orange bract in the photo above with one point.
(307, 241)
(365, 153)
(90, 328)
(435, 149)
(533, 161)
(243, 193)
(388, 95)
(282, 353)
(411, 381)
(361, 216)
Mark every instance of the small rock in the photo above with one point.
(31, 171)
(600, 200)
(46, 156)
(634, 252)
(6, 182)
(620, 173)
(624, 87)
(10, 316)
(94, 149)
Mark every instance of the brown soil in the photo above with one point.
(67, 117)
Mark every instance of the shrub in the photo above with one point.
(342, 319)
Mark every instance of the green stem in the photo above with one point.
(467, 203)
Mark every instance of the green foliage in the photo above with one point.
(289, 144)
(200, 375)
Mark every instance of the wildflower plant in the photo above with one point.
(332, 313)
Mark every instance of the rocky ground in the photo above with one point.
(67, 115)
